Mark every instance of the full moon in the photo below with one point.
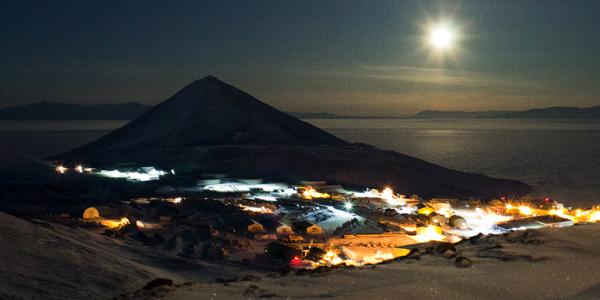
(441, 37)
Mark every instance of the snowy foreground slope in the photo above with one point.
(212, 127)
(49, 261)
(545, 264)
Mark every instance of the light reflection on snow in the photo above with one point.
(143, 174)
(331, 218)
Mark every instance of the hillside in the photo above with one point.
(68, 111)
(51, 261)
(33, 255)
(16, 165)
(212, 127)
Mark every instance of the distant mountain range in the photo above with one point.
(49, 110)
(316, 115)
(128, 111)
(324, 115)
(557, 112)
(68, 111)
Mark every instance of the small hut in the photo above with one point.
(284, 229)
(241, 224)
(314, 229)
(255, 227)
(91, 213)
(308, 228)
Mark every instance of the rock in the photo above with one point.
(158, 238)
(171, 243)
(507, 256)
(390, 212)
(237, 244)
(446, 251)
(496, 254)
(251, 289)
(226, 280)
(142, 237)
(251, 277)
(303, 272)
(147, 240)
(193, 249)
(525, 237)
(414, 254)
(462, 262)
(157, 283)
(320, 271)
(477, 239)
(130, 229)
(215, 252)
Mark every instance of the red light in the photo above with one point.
(295, 261)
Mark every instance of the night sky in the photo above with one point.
(346, 57)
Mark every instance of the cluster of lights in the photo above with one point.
(577, 215)
(175, 200)
(143, 174)
(260, 210)
(309, 193)
(61, 169)
(428, 234)
(387, 194)
(115, 224)
(476, 220)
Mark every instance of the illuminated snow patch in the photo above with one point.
(331, 217)
(274, 189)
(143, 174)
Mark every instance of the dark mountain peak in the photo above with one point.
(210, 112)
(207, 81)
(46, 102)
(201, 88)
(211, 79)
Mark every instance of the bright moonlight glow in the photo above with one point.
(441, 37)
